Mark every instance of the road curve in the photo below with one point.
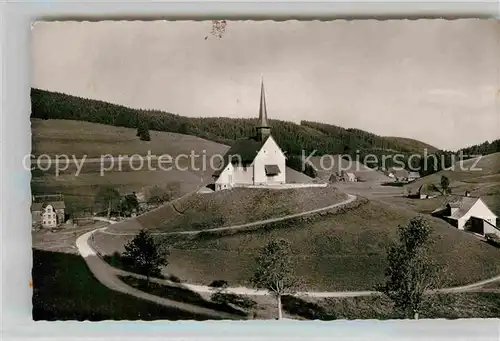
(350, 198)
(83, 240)
(106, 274)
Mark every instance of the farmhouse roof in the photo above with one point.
(244, 150)
(38, 206)
(462, 203)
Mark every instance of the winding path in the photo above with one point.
(108, 275)
(350, 199)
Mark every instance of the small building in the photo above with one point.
(47, 214)
(458, 210)
(412, 176)
(350, 177)
(257, 160)
(347, 176)
(426, 191)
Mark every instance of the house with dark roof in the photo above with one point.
(257, 160)
(459, 210)
(47, 213)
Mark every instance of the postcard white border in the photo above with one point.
(16, 258)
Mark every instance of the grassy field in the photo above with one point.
(180, 294)
(64, 289)
(244, 205)
(92, 139)
(63, 240)
(57, 137)
(344, 251)
(466, 175)
(449, 306)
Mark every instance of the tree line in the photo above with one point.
(484, 148)
(296, 139)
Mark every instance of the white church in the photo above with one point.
(257, 161)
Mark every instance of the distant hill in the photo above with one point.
(293, 138)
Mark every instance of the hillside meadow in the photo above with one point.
(79, 139)
(345, 250)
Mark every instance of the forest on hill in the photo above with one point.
(484, 148)
(295, 139)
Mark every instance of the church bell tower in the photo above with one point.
(263, 129)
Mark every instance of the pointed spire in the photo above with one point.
(262, 110)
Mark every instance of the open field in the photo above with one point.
(179, 294)
(245, 205)
(449, 306)
(466, 174)
(64, 289)
(54, 137)
(226, 208)
(342, 251)
(92, 139)
(62, 240)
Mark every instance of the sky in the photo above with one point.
(433, 80)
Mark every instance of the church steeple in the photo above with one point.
(263, 129)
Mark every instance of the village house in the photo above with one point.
(348, 177)
(48, 211)
(253, 161)
(426, 191)
(468, 213)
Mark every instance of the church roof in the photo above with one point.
(244, 150)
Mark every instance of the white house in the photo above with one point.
(460, 209)
(253, 161)
(349, 177)
(48, 214)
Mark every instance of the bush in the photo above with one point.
(219, 283)
(174, 279)
(237, 300)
